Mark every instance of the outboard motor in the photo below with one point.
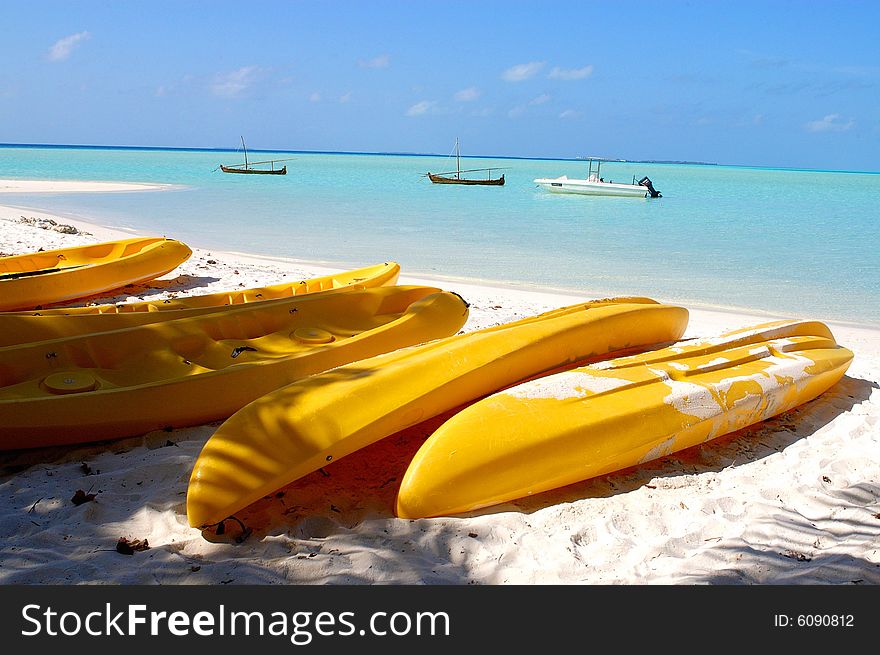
(646, 182)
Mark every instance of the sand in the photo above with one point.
(75, 186)
(793, 500)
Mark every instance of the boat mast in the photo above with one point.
(457, 159)
(245, 152)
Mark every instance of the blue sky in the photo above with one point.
(793, 84)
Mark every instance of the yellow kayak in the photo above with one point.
(301, 427)
(26, 327)
(597, 419)
(195, 370)
(35, 279)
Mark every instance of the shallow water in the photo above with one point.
(794, 242)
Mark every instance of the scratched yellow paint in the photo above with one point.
(598, 419)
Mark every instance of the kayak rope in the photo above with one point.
(466, 303)
(221, 528)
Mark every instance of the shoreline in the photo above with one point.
(315, 268)
(10, 185)
(792, 500)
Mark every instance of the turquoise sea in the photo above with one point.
(790, 242)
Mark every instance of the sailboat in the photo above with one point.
(246, 167)
(446, 178)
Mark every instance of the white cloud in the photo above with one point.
(829, 123)
(420, 108)
(62, 48)
(381, 61)
(175, 87)
(520, 110)
(315, 97)
(570, 113)
(571, 73)
(345, 97)
(522, 72)
(468, 94)
(482, 113)
(233, 84)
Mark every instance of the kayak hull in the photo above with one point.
(303, 426)
(25, 327)
(598, 419)
(35, 279)
(192, 371)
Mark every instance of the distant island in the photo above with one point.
(670, 161)
(653, 161)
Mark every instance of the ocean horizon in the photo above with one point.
(781, 241)
(89, 146)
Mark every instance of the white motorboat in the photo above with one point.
(596, 185)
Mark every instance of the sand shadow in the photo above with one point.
(145, 291)
(15, 461)
(363, 485)
(745, 565)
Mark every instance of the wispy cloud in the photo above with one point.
(569, 113)
(468, 95)
(380, 61)
(175, 87)
(834, 87)
(234, 83)
(315, 97)
(829, 123)
(816, 88)
(747, 120)
(571, 73)
(758, 60)
(345, 98)
(421, 108)
(522, 72)
(62, 48)
(520, 110)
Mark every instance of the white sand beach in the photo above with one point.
(794, 500)
(75, 186)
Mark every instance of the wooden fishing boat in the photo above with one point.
(246, 167)
(256, 171)
(454, 177)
